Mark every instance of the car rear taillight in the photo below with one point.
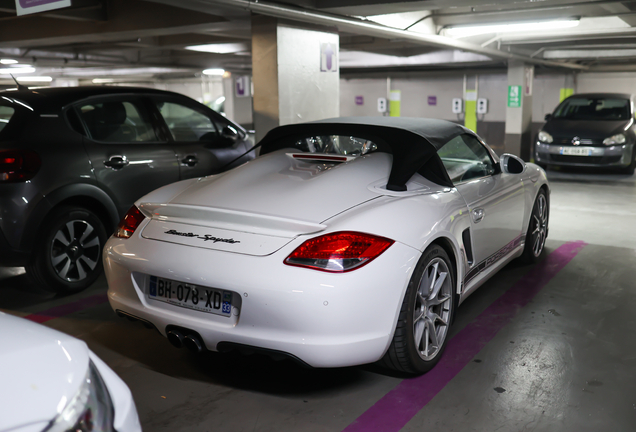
(129, 223)
(338, 252)
(18, 165)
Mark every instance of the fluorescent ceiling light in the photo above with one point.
(220, 48)
(581, 53)
(8, 61)
(16, 70)
(103, 80)
(215, 72)
(89, 73)
(35, 79)
(466, 31)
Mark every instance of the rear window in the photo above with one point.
(587, 108)
(336, 144)
(6, 113)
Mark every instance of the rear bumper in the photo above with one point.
(607, 156)
(11, 257)
(323, 319)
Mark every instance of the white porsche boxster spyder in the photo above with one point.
(348, 241)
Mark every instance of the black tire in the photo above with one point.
(68, 255)
(629, 170)
(537, 229)
(404, 354)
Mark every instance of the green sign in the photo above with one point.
(514, 96)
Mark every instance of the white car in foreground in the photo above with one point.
(52, 382)
(346, 242)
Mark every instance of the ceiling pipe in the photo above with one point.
(369, 28)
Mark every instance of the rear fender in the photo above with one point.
(75, 193)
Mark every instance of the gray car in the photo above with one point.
(590, 130)
(73, 160)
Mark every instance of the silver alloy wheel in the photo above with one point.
(75, 250)
(431, 315)
(540, 225)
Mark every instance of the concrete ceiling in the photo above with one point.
(147, 39)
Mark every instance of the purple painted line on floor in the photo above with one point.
(69, 308)
(400, 405)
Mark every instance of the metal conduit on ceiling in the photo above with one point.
(369, 28)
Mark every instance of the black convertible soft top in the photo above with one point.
(412, 141)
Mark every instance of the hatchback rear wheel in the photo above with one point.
(68, 255)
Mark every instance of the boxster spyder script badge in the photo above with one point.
(205, 237)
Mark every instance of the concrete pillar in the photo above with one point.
(237, 90)
(295, 74)
(518, 140)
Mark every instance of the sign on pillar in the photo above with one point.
(528, 79)
(395, 98)
(328, 58)
(470, 112)
(24, 7)
(242, 86)
(514, 96)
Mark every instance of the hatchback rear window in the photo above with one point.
(591, 108)
(5, 116)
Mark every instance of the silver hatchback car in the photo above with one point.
(590, 130)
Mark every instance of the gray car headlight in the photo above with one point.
(616, 139)
(91, 409)
(545, 137)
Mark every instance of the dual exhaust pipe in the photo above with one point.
(191, 341)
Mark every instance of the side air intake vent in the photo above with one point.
(468, 247)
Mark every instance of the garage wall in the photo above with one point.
(618, 82)
(416, 89)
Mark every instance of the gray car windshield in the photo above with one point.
(585, 108)
(336, 144)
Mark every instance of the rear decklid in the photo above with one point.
(257, 208)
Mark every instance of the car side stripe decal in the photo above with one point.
(393, 411)
(472, 273)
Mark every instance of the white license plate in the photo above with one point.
(190, 296)
(576, 151)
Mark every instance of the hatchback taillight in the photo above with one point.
(338, 252)
(18, 165)
(129, 223)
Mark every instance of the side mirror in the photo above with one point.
(230, 133)
(547, 117)
(511, 164)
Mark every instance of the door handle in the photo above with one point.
(190, 160)
(478, 215)
(116, 162)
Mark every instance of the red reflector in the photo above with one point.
(18, 165)
(339, 251)
(129, 223)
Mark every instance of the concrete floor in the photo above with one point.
(539, 348)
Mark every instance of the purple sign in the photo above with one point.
(359, 100)
(32, 3)
(328, 58)
(432, 100)
(24, 7)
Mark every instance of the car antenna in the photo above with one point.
(20, 86)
